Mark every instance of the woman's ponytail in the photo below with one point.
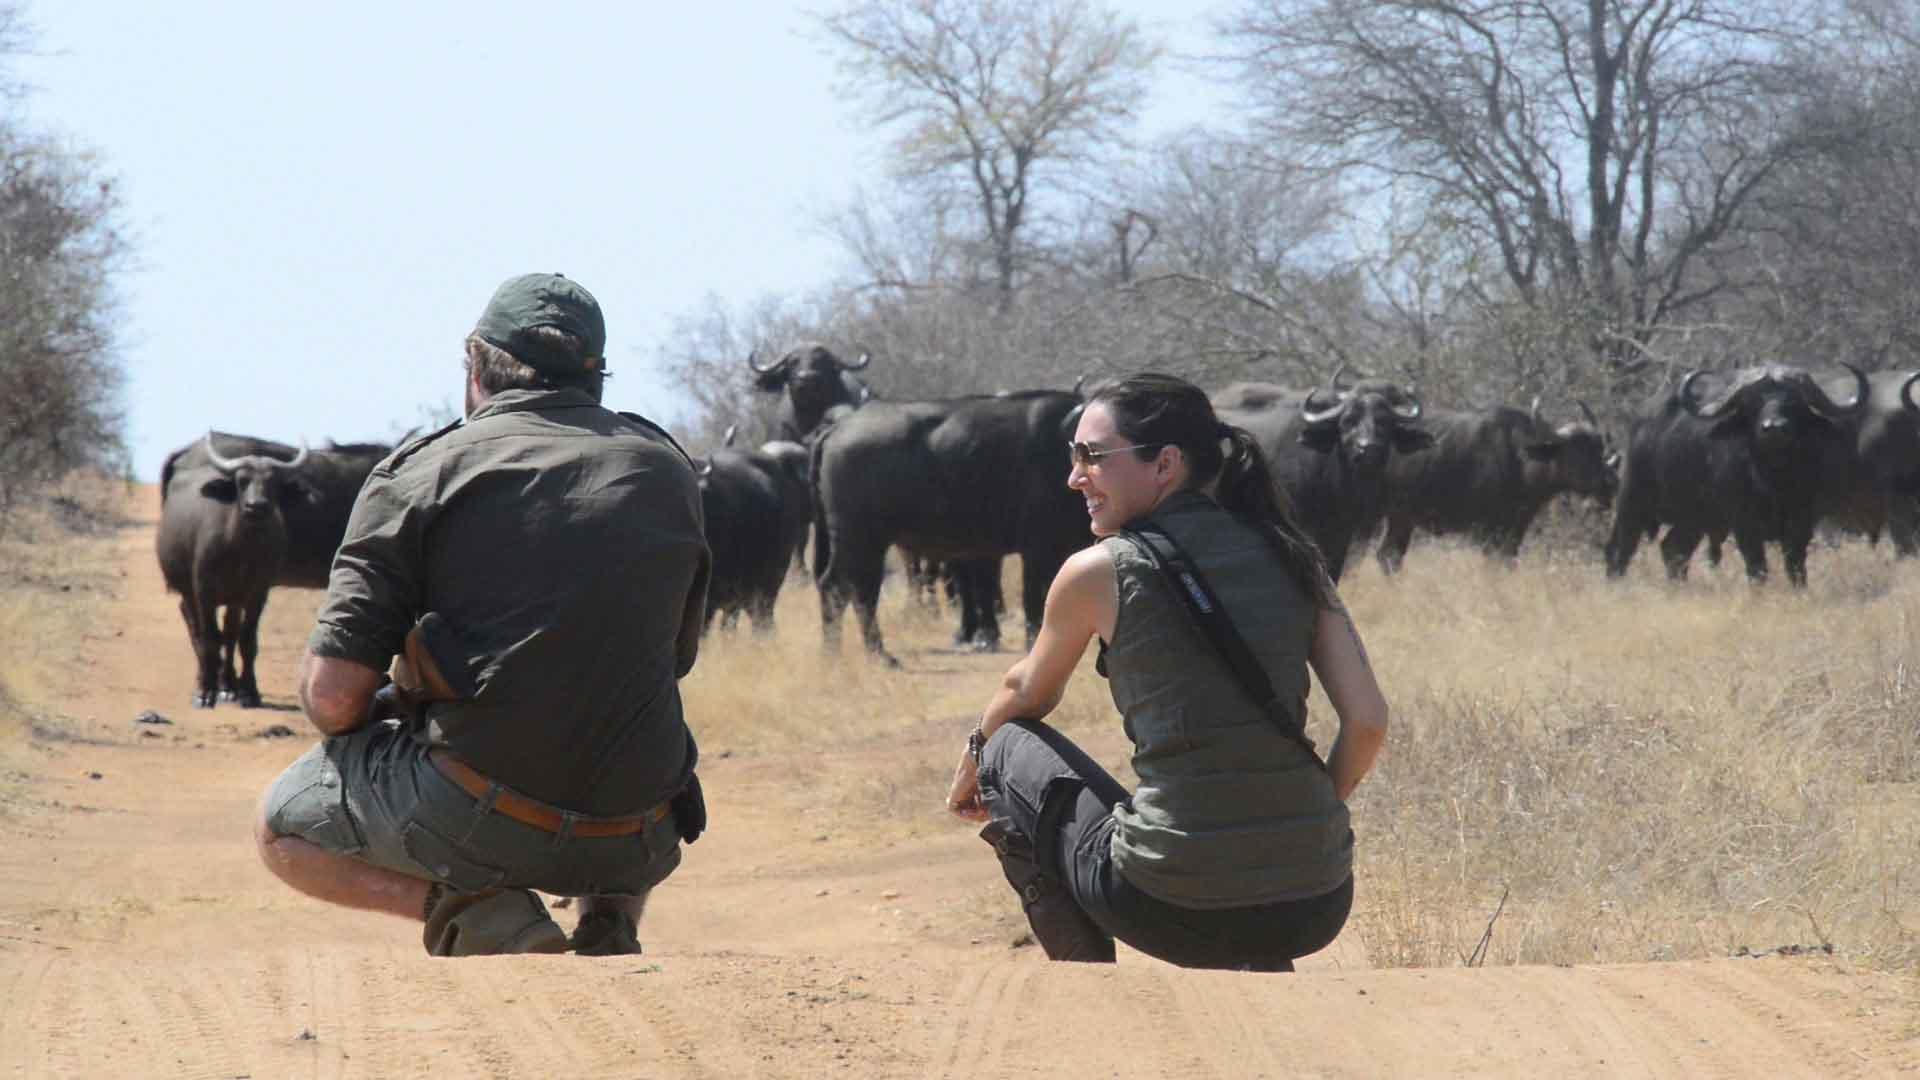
(1247, 490)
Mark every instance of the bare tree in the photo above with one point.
(1836, 243)
(1599, 149)
(60, 246)
(1002, 98)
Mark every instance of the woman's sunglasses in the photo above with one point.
(1085, 455)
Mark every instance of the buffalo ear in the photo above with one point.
(1410, 440)
(297, 490)
(1545, 449)
(1322, 438)
(221, 489)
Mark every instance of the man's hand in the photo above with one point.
(963, 799)
(336, 693)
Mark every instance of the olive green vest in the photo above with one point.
(1231, 811)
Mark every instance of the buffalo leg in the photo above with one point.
(230, 621)
(826, 578)
(865, 568)
(208, 639)
(1753, 550)
(190, 614)
(1794, 541)
(248, 691)
(1903, 525)
(1620, 548)
(760, 611)
(979, 582)
(1677, 548)
(1392, 551)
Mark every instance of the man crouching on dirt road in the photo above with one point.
(537, 576)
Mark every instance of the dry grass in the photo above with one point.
(1654, 772)
(56, 573)
(1648, 772)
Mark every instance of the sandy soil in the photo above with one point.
(139, 937)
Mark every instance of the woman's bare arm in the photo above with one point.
(1082, 602)
(1340, 662)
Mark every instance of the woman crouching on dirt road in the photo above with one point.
(1236, 851)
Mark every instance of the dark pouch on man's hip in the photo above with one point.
(690, 810)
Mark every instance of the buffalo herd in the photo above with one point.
(1763, 454)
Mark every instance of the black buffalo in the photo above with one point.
(1488, 475)
(757, 507)
(1878, 488)
(315, 525)
(1749, 457)
(960, 479)
(222, 542)
(238, 516)
(1329, 451)
(815, 387)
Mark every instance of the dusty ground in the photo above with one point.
(139, 937)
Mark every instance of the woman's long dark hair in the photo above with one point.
(1153, 410)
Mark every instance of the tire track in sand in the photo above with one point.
(981, 1022)
(615, 1021)
(23, 1041)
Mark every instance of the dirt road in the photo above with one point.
(139, 937)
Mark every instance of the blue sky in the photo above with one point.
(321, 197)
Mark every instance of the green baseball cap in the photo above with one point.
(534, 300)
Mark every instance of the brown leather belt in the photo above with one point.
(533, 812)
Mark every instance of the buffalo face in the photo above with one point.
(258, 487)
(1573, 456)
(1365, 422)
(1773, 406)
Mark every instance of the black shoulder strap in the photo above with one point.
(1212, 619)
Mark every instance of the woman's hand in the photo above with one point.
(963, 799)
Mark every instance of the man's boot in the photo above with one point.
(490, 924)
(606, 933)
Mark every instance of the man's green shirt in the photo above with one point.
(564, 543)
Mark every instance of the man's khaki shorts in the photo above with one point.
(372, 795)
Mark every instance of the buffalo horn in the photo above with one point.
(1315, 415)
(1826, 406)
(757, 369)
(727, 439)
(1588, 413)
(1711, 409)
(1533, 411)
(860, 364)
(1313, 412)
(224, 464)
(1906, 390)
(300, 458)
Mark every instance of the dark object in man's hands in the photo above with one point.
(690, 810)
(434, 665)
(390, 703)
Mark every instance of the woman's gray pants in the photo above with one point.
(1050, 820)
